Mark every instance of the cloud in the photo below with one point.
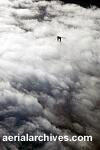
(47, 86)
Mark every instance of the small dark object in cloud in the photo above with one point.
(59, 38)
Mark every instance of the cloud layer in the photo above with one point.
(47, 86)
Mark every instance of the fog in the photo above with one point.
(48, 86)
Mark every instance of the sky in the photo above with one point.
(84, 3)
(48, 86)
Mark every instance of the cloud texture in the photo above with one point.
(47, 86)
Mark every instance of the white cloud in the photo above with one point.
(44, 83)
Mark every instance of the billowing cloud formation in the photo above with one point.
(47, 86)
